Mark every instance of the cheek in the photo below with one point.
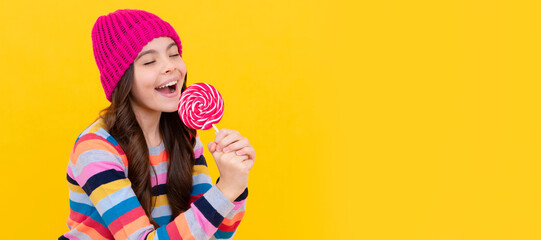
(181, 66)
(183, 77)
(143, 83)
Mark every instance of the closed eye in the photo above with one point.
(148, 63)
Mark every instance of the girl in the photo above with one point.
(138, 172)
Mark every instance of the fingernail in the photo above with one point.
(226, 149)
(239, 152)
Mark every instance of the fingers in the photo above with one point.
(232, 156)
(212, 147)
(242, 158)
(247, 151)
(238, 145)
(228, 140)
(222, 133)
(248, 164)
(226, 137)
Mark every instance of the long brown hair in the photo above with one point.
(121, 123)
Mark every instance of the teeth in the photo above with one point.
(169, 84)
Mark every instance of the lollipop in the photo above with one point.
(200, 106)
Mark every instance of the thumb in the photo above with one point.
(212, 146)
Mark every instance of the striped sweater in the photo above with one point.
(104, 206)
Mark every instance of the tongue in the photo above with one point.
(164, 90)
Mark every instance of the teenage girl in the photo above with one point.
(138, 172)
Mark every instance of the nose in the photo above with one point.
(169, 67)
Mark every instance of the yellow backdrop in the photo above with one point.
(372, 120)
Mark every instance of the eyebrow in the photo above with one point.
(153, 51)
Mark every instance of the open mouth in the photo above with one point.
(168, 90)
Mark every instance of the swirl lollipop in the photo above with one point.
(200, 106)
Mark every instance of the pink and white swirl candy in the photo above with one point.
(200, 106)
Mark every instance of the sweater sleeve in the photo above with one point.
(100, 168)
(202, 182)
(229, 226)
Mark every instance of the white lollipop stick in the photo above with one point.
(215, 128)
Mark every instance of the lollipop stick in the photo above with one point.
(215, 128)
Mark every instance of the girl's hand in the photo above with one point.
(231, 141)
(233, 173)
(233, 168)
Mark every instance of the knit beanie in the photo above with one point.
(117, 39)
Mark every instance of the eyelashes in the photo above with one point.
(148, 63)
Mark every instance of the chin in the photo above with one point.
(172, 108)
(170, 111)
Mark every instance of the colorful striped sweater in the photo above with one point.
(104, 206)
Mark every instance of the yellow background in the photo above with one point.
(370, 119)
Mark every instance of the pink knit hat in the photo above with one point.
(117, 39)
